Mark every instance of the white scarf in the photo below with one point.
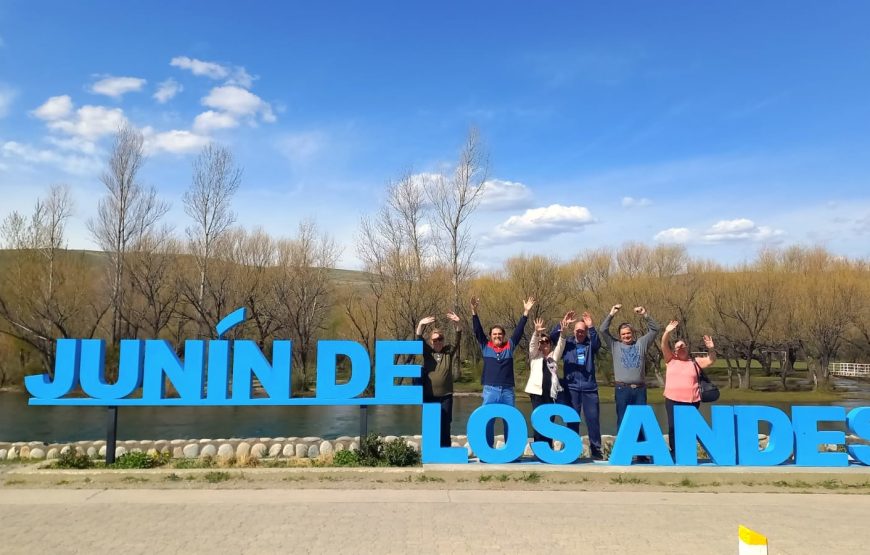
(555, 386)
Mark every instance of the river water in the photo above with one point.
(21, 422)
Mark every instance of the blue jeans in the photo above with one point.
(626, 396)
(588, 402)
(500, 394)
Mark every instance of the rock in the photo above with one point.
(161, 445)
(390, 438)
(12, 453)
(528, 451)
(339, 447)
(313, 452)
(243, 450)
(265, 439)
(289, 450)
(152, 452)
(557, 445)
(80, 451)
(92, 452)
(102, 451)
(326, 449)
(279, 439)
(204, 441)
(24, 453)
(354, 446)
(499, 444)
(225, 451)
(51, 455)
(345, 438)
(177, 452)
(177, 442)
(469, 449)
(37, 454)
(275, 450)
(190, 451)
(309, 439)
(65, 449)
(3, 453)
(301, 450)
(412, 444)
(120, 451)
(258, 451)
(208, 451)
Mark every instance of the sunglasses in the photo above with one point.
(437, 339)
(544, 341)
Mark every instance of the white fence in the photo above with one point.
(849, 369)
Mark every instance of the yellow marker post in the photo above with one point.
(750, 542)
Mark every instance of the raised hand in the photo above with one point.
(568, 319)
(539, 325)
(475, 302)
(708, 342)
(425, 321)
(452, 316)
(615, 309)
(672, 325)
(587, 319)
(528, 304)
(640, 310)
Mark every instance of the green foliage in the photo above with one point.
(71, 459)
(140, 460)
(371, 451)
(399, 453)
(346, 458)
(215, 477)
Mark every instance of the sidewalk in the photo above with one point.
(424, 521)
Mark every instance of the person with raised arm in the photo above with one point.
(578, 366)
(682, 374)
(437, 371)
(543, 384)
(498, 360)
(629, 362)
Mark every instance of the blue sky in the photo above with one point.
(724, 126)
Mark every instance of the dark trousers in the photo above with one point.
(587, 401)
(446, 416)
(669, 406)
(626, 396)
(537, 401)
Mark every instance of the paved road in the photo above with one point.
(423, 521)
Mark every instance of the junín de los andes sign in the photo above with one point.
(220, 372)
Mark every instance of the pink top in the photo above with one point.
(681, 381)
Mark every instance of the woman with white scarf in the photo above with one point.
(543, 386)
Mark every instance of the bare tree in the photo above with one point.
(216, 178)
(126, 213)
(154, 283)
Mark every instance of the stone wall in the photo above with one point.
(264, 447)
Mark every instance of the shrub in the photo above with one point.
(71, 459)
(371, 451)
(399, 453)
(346, 458)
(140, 460)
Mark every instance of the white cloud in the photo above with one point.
(56, 107)
(737, 230)
(862, 225)
(176, 141)
(301, 147)
(239, 102)
(499, 194)
(210, 120)
(74, 143)
(540, 224)
(70, 163)
(740, 229)
(674, 235)
(91, 122)
(116, 87)
(631, 202)
(201, 68)
(166, 90)
(241, 78)
(7, 95)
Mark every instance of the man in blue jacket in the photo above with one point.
(498, 361)
(578, 365)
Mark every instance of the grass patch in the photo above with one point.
(622, 480)
(14, 482)
(61, 482)
(503, 477)
(425, 478)
(173, 477)
(215, 477)
(687, 483)
(484, 478)
(795, 484)
(134, 479)
(184, 464)
(530, 477)
(292, 478)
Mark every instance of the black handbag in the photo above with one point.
(709, 390)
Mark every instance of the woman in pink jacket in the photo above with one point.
(683, 373)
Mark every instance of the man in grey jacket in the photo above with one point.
(629, 360)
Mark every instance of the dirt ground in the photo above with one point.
(855, 480)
